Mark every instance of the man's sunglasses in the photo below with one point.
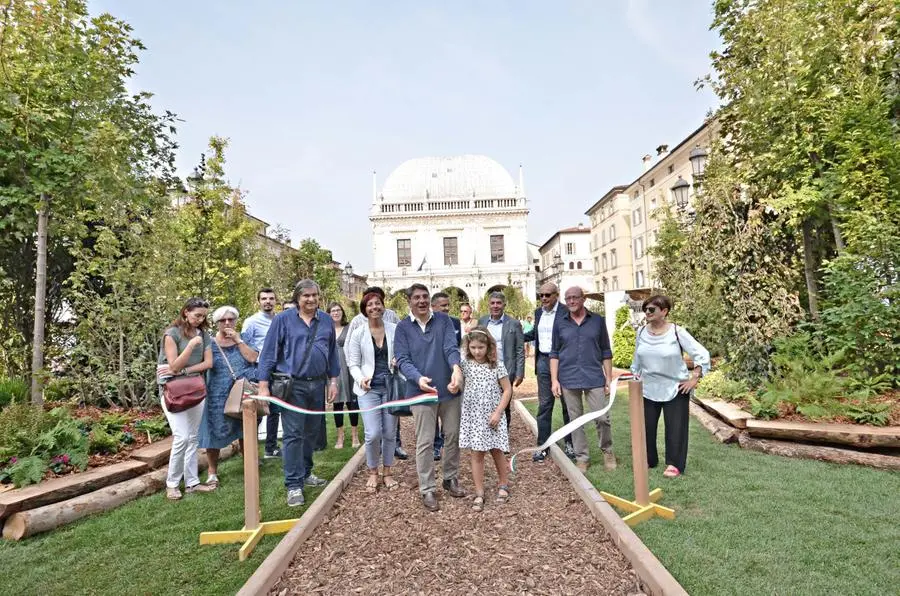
(542, 295)
(650, 310)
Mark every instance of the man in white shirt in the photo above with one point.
(254, 331)
(542, 335)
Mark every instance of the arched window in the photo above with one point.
(579, 265)
(571, 265)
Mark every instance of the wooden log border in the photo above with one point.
(656, 578)
(273, 567)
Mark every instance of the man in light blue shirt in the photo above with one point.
(254, 331)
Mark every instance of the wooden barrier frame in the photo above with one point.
(644, 505)
(253, 529)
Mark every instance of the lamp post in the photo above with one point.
(348, 280)
(558, 268)
(680, 193)
(697, 157)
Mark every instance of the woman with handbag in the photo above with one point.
(233, 361)
(369, 352)
(667, 382)
(183, 358)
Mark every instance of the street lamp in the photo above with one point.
(348, 280)
(558, 267)
(348, 269)
(680, 193)
(697, 157)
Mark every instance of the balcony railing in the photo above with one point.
(450, 205)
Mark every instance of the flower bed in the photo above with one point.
(42, 443)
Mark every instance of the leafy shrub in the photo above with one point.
(717, 385)
(27, 470)
(60, 390)
(870, 413)
(860, 318)
(101, 441)
(156, 428)
(624, 337)
(765, 407)
(20, 425)
(112, 422)
(12, 390)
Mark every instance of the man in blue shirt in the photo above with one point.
(581, 368)
(507, 332)
(428, 355)
(301, 343)
(254, 331)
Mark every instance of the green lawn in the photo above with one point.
(151, 545)
(750, 523)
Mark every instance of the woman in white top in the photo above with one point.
(369, 352)
(667, 382)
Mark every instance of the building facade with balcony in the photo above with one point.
(566, 259)
(625, 221)
(452, 223)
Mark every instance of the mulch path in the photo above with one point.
(543, 541)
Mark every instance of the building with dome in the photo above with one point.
(452, 223)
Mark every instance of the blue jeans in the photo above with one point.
(380, 429)
(300, 431)
(545, 402)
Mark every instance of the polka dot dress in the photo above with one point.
(481, 396)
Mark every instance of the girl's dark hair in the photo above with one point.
(181, 321)
(480, 333)
(368, 297)
(343, 312)
(661, 302)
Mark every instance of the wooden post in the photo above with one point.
(638, 443)
(251, 466)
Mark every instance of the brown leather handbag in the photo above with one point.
(184, 392)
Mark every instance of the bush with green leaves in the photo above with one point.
(30, 439)
(155, 428)
(717, 385)
(12, 390)
(624, 337)
(101, 441)
(57, 390)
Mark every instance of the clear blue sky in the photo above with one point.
(316, 95)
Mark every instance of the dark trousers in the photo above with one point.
(339, 415)
(545, 402)
(301, 431)
(398, 430)
(676, 413)
(272, 428)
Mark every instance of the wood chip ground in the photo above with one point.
(543, 541)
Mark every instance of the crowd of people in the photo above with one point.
(309, 357)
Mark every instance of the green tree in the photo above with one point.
(624, 337)
(70, 136)
(312, 261)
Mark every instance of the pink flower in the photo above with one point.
(13, 460)
(64, 458)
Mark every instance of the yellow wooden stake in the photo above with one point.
(253, 529)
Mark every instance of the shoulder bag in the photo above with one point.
(239, 389)
(395, 388)
(184, 392)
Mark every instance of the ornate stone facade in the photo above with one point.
(456, 222)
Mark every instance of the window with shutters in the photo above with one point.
(451, 251)
(404, 252)
(497, 255)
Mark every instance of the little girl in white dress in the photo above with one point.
(485, 397)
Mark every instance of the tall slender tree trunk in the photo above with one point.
(40, 303)
(838, 237)
(809, 268)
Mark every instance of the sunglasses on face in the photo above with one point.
(542, 295)
(197, 303)
(650, 310)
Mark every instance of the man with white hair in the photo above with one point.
(301, 352)
(581, 371)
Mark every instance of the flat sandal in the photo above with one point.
(478, 503)
(501, 498)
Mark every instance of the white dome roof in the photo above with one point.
(449, 178)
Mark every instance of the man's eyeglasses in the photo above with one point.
(650, 310)
(227, 320)
(543, 295)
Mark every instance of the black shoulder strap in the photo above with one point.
(678, 339)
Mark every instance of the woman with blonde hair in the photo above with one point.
(233, 359)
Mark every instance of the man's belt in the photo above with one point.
(315, 378)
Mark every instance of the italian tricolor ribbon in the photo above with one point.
(416, 400)
(573, 424)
